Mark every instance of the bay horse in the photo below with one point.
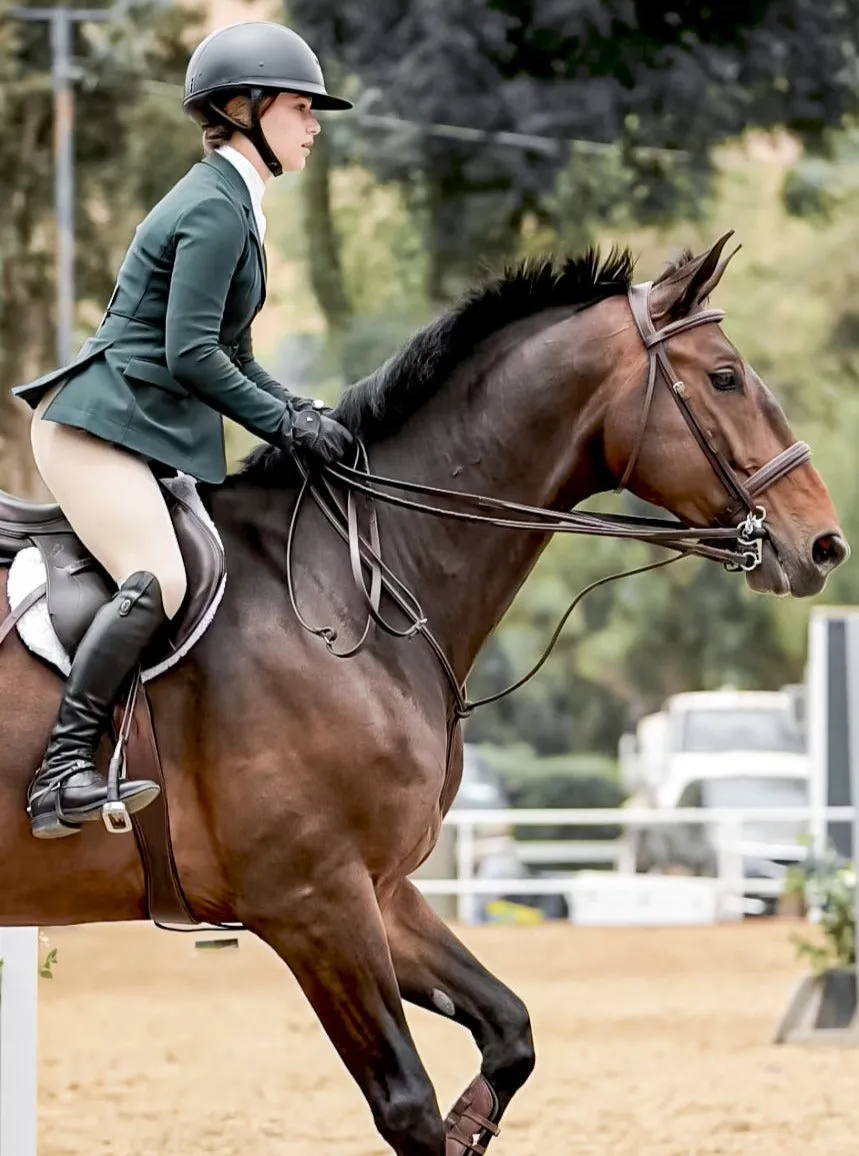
(303, 791)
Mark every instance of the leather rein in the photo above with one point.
(742, 548)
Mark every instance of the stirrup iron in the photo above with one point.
(114, 813)
(116, 818)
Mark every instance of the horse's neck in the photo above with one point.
(529, 433)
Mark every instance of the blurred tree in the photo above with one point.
(636, 78)
(130, 145)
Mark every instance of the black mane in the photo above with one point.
(378, 406)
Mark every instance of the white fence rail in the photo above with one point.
(726, 822)
(19, 978)
(573, 852)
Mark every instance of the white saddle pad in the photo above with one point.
(27, 573)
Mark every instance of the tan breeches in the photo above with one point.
(113, 503)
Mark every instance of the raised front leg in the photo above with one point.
(333, 940)
(436, 971)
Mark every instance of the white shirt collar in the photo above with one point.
(254, 182)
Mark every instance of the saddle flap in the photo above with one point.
(77, 586)
(205, 568)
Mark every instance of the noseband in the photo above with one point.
(742, 492)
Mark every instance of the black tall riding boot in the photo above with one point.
(67, 789)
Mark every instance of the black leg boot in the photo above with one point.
(67, 789)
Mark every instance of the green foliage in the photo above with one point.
(647, 89)
(381, 269)
(46, 968)
(830, 886)
(571, 781)
(130, 144)
(824, 180)
(567, 791)
(516, 764)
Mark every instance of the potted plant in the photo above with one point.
(827, 887)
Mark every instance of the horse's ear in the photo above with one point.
(680, 289)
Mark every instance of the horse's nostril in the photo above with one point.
(829, 550)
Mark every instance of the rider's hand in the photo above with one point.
(300, 404)
(317, 433)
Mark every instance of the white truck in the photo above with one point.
(727, 749)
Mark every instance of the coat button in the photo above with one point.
(124, 607)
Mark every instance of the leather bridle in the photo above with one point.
(742, 493)
(365, 549)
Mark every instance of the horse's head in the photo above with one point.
(692, 428)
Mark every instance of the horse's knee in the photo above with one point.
(509, 1058)
(410, 1121)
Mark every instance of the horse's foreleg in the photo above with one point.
(333, 940)
(437, 972)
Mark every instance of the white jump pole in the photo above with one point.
(19, 978)
(853, 715)
(817, 724)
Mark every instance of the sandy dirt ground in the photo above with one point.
(650, 1043)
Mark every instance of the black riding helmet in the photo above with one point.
(257, 58)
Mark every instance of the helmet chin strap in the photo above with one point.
(254, 134)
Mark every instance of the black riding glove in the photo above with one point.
(315, 432)
(300, 404)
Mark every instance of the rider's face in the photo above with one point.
(290, 129)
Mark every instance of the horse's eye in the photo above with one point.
(724, 380)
